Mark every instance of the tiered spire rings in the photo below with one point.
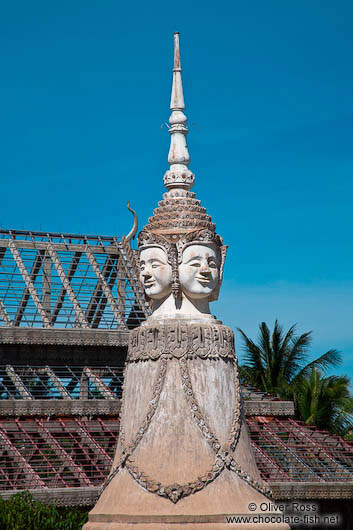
(179, 220)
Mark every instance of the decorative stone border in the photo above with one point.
(281, 491)
(106, 407)
(268, 407)
(59, 407)
(180, 339)
(60, 496)
(74, 337)
(312, 490)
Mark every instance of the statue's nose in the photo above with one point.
(205, 269)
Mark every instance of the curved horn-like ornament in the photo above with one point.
(132, 233)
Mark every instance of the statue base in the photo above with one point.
(218, 522)
(184, 459)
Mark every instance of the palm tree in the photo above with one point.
(277, 361)
(324, 401)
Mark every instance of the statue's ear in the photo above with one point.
(215, 293)
(137, 269)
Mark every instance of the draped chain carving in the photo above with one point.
(223, 454)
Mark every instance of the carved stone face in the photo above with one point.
(155, 273)
(199, 270)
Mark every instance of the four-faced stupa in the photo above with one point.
(183, 459)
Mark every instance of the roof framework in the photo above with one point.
(59, 424)
(47, 440)
(78, 452)
(60, 382)
(30, 383)
(70, 281)
(288, 450)
(43, 453)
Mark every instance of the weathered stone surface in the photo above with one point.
(176, 338)
(56, 407)
(282, 491)
(97, 407)
(176, 468)
(69, 337)
(83, 496)
(183, 456)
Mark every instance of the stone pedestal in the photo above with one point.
(183, 459)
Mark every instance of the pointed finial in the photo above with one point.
(178, 176)
(177, 99)
(132, 233)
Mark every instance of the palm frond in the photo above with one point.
(277, 354)
(329, 359)
(245, 375)
(277, 337)
(295, 354)
(277, 363)
(264, 340)
(252, 361)
(324, 401)
(288, 337)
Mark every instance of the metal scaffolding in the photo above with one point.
(290, 451)
(60, 382)
(68, 281)
(78, 452)
(52, 453)
(59, 425)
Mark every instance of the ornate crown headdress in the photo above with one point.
(179, 220)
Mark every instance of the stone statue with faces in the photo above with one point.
(198, 273)
(182, 436)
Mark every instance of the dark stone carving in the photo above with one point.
(180, 339)
(67, 337)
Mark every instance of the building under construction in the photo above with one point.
(67, 303)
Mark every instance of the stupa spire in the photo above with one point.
(183, 453)
(179, 175)
(177, 98)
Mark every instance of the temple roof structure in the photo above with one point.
(67, 282)
(59, 427)
(67, 303)
(74, 297)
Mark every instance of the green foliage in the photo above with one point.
(22, 512)
(278, 360)
(277, 363)
(349, 436)
(325, 402)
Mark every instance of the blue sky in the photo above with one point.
(86, 86)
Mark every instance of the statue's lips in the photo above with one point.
(149, 284)
(203, 280)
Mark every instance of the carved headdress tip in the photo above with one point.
(133, 231)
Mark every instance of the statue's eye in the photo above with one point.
(212, 264)
(195, 264)
(156, 264)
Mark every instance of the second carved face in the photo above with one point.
(199, 270)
